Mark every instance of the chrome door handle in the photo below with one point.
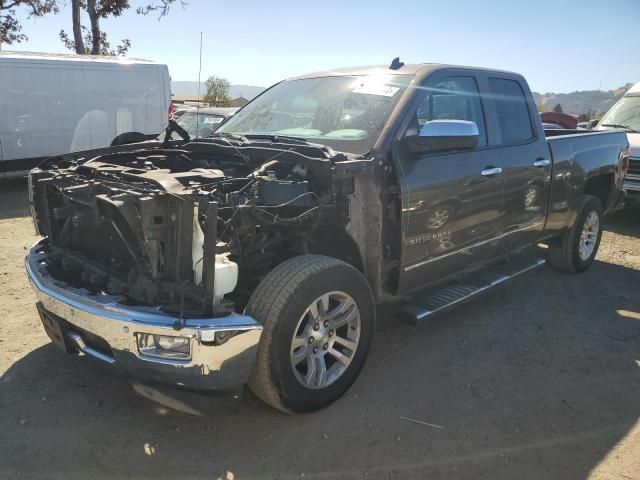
(491, 171)
(541, 162)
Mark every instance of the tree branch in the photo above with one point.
(163, 6)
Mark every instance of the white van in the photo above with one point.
(625, 115)
(52, 104)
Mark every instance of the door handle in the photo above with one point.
(487, 172)
(541, 162)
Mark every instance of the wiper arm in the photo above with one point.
(234, 136)
(617, 125)
(278, 138)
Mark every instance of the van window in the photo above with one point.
(514, 119)
(453, 98)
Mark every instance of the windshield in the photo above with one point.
(346, 113)
(197, 125)
(625, 113)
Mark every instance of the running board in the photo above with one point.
(469, 287)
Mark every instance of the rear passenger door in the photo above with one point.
(521, 150)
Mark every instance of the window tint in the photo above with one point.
(512, 110)
(454, 98)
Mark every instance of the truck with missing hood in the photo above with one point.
(258, 255)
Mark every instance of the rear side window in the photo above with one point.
(512, 110)
(453, 98)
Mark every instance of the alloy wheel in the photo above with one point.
(325, 340)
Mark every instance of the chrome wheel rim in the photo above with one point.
(589, 235)
(325, 340)
(438, 219)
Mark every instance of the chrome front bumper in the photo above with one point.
(102, 327)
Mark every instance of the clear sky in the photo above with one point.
(558, 45)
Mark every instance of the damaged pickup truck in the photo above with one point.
(258, 255)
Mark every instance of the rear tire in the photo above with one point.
(576, 250)
(304, 297)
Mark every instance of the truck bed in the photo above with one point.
(582, 160)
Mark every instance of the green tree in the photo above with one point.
(217, 92)
(93, 40)
(557, 108)
(10, 28)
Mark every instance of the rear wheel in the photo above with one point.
(319, 316)
(577, 248)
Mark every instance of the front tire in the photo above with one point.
(577, 248)
(318, 317)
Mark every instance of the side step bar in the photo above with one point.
(420, 309)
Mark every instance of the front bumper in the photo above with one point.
(101, 326)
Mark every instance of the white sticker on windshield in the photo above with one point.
(212, 120)
(376, 89)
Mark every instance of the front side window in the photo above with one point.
(346, 113)
(514, 120)
(453, 98)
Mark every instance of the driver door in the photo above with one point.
(452, 203)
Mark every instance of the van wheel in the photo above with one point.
(318, 317)
(577, 248)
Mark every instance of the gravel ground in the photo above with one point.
(537, 380)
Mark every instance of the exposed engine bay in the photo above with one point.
(189, 228)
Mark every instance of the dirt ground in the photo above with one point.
(537, 380)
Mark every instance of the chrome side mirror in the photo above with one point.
(442, 135)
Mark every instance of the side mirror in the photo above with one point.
(442, 135)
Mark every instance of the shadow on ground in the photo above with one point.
(536, 380)
(15, 199)
(625, 221)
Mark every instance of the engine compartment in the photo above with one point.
(133, 222)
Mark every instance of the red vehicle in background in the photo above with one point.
(565, 120)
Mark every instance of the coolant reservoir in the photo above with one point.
(226, 276)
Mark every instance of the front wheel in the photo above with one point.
(319, 317)
(577, 248)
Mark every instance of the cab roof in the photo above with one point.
(419, 69)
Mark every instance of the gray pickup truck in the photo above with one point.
(258, 255)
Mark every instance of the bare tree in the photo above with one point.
(77, 27)
(93, 40)
(94, 37)
(217, 92)
(10, 28)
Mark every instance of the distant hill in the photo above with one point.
(595, 101)
(190, 89)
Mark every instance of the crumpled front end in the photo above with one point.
(151, 254)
